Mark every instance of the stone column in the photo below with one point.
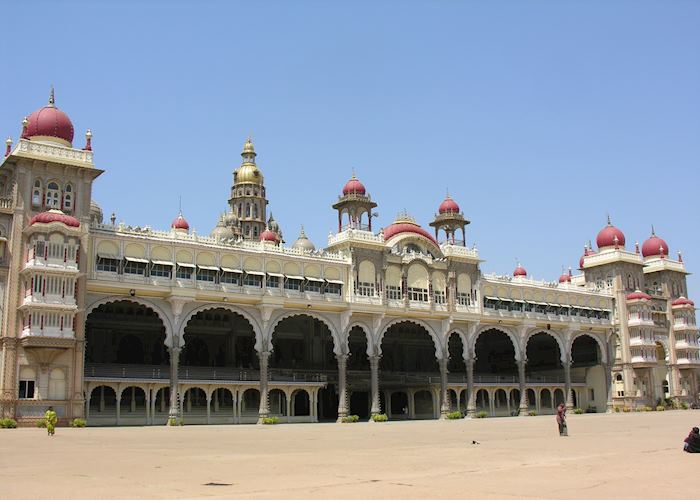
(608, 389)
(374, 368)
(411, 404)
(444, 396)
(342, 386)
(119, 406)
(471, 396)
(568, 399)
(208, 408)
(523, 388)
(264, 402)
(174, 412)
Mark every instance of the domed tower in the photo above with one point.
(248, 202)
(303, 242)
(450, 219)
(355, 202)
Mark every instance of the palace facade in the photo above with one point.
(129, 325)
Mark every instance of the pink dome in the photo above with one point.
(565, 278)
(354, 186)
(54, 216)
(268, 235)
(606, 237)
(49, 121)
(449, 206)
(682, 301)
(520, 271)
(406, 227)
(638, 295)
(180, 223)
(653, 246)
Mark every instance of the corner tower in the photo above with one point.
(248, 201)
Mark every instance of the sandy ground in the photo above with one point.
(618, 455)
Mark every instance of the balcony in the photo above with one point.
(47, 332)
(67, 301)
(53, 264)
(640, 341)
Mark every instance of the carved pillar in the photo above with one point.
(174, 412)
(264, 401)
(568, 399)
(374, 368)
(523, 388)
(608, 389)
(444, 397)
(342, 386)
(471, 397)
(8, 383)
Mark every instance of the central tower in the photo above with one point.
(248, 201)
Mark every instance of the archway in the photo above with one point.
(546, 405)
(103, 406)
(301, 406)
(132, 406)
(250, 403)
(423, 401)
(514, 401)
(221, 404)
(455, 348)
(531, 400)
(358, 377)
(399, 405)
(194, 404)
(659, 376)
(161, 405)
(558, 397)
(278, 402)
(359, 404)
(500, 403)
(495, 358)
(125, 333)
(483, 401)
(587, 366)
(303, 345)
(219, 338)
(543, 359)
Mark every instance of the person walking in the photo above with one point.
(51, 421)
(561, 419)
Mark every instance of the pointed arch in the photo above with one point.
(371, 348)
(599, 341)
(511, 335)
(136, 300)
(439, 347)
(337, 344)
(463, 337)
(228, 307)
(563, 352)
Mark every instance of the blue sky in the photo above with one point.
(539, 116)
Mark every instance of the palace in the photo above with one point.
(129, 325)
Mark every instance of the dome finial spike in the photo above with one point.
(52, 97)
(353, 173)
(653, 233)
(609, 220)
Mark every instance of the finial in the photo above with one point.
(616, 241)
(570, 271)
(661, 251)
(680, 256)
(52, 97)
(179, 206)
(88, 140)
(447, 192)
(609, 221)
(113, 218)
(25, 128)
(8, 149)
(636, 247)
(302, 234)
(353, 174)
(653, 233)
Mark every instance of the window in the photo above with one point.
(184, 272)
(591, 394)
(133, 267)
(334, 288)
(36, 194)
(161, 271)
(418, 294)
(53, 196)
(230, 278)
(463, 299)
(254, 280)
(27, 381)
(57, 384)
(273, 281)
(38, 285)
(292, 284)
(313, 286)
(68, 199)
(439, 297)
(208, 275)
(107, 265)
(393, 292)
(365, 289)
(40, 249)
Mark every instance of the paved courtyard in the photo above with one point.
(618, 455)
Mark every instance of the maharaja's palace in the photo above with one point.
(129, 325)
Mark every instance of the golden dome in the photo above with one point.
(248, 147)
(248, 172)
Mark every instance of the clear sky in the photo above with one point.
(539, 116)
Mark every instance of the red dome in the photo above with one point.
(565, 278)
(520, 271)
(448, 206)
(268, 235)
(606, 237)
(354, 186)
(406, 227)
(180, 223)
(49, 121)
(638, 295)
(54, 216)
(682, 301)
(653, 246)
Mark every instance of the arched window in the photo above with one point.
(36, 194)
(53, 195)
(255, 211)
(68, 199)
(630, 282)
(57, 384)
(247, 210)
(27, 381)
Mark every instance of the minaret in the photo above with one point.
(248, 201)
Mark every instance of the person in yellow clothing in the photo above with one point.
(51, 421)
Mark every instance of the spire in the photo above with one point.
(653, 233)
(52, 98)
(609, 221)
(25, 128)
(88, 140)
(8, 148)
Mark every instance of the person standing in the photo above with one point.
(51, 421)
(561, 419)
